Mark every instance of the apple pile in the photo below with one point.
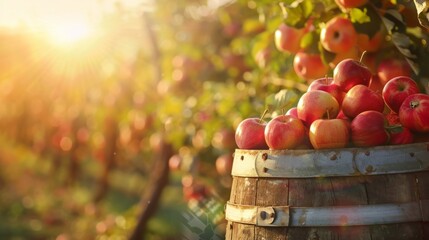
(343, 111)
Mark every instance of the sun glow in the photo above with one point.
(67, 34)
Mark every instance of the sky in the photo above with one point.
(46, 13)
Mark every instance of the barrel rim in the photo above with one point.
(307, 163)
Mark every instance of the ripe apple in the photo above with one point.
(317, 104)
(292, 112)
(339, 35)
(329, 133)
(250, 134)
(224, 164)
(361, 98)
(351, 3)
(369, 59)
(397, 89)
(370, 44)
(341, 115)
(224, 139)
(326, 84)
(400, 135)
(233, 29)
(305, 144)
(235, 62)
(368, 129)
(349, 73)
(284, 132)
(309, 66)
(392, 118)
(375, 84)
(353, 53)
(392, 67)
(414, 112)
(288, 39)
(174, 162)
(193, 190)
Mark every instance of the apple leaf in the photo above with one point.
(397, 29)
(297, 12)
(282, 100)
(310, 42)
(422, 7)
(326, 55)
(366, 20)
(359, 15)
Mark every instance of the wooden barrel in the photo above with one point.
(345, 194)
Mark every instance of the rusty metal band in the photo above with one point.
(285, 216)
(331, 162)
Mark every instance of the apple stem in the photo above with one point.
(263, 115)
(327, 114)
(362, 56)
(414, 104)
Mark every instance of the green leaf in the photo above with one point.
(310, 42)
(306, 40)
(422, 7)
(326, 55)
(282, 100)
(366, 20)
(359, 15)
(297, 12)
(406, 46)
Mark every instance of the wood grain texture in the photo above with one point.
(331, 191)
(272, 192)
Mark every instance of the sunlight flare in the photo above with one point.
(66, 34)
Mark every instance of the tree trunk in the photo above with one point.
(156, 184)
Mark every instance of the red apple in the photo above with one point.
(397, 89)
(349, 73)
(224, 139)
(375, 84)
(232, 29)
(224, 164)
(414, 112)
(284, 132)
(392, 67)
(370, 44)
(400, 135)
(351, 3)
(174, 162)
(341, 115)
(329, 133)
(353, 53)
(361, 98)
(305, 144)
(369, 60)
(288, 39)
(250, 134)
(309, 66)
(368, 129)
(392, 118)
(317, 104)
(292, 112)
(326, 84)
(339, 35)
(192, 190)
